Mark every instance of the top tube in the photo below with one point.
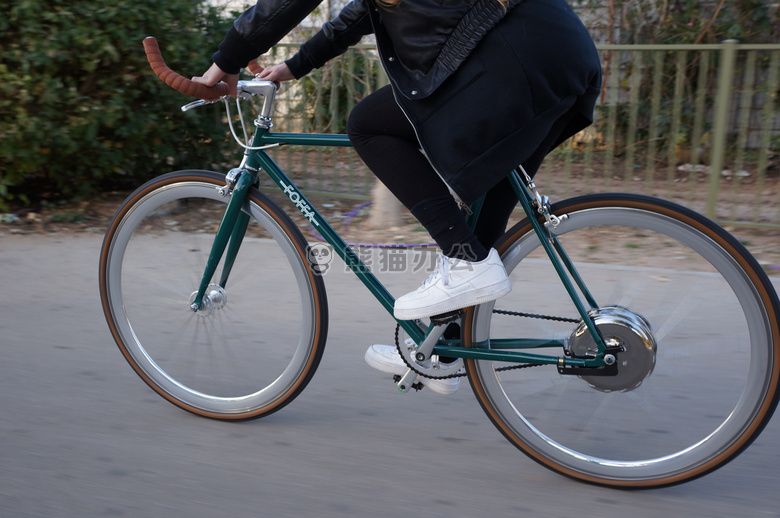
(303, 139)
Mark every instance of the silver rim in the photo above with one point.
(233, 360)
(714, 359)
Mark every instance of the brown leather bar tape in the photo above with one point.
(177, 81)
(254, 67)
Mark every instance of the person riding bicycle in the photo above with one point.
(476, 88)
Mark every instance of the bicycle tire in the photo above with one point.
(256, 343)
(712, 384)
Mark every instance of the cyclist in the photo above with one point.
(476, 88)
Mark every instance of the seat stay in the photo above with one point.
(557, 256)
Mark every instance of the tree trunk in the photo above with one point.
(386, 209)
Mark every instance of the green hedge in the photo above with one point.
(81, 111)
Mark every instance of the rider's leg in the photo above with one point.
(501, 200)
(385, 140)
(466, 273)
(387, 143)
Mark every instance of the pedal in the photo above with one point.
(407, 381)
(445, 318)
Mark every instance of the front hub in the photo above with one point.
(214, 299)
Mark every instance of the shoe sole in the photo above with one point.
(384, 367)
(494, 292)
(431, 383)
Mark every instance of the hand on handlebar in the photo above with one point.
(214, 75)
(276, 74)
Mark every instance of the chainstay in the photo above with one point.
(500, 369)
(529, 315)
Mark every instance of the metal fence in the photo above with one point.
(698, 124)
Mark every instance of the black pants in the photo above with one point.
(385, 140)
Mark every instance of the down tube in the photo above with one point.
(354, 262)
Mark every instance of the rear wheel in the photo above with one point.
(684, 402)
(258, 338)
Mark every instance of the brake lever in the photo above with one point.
(199, 102)
(202, 102)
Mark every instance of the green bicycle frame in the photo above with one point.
(234, 223)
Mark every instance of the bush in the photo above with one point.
(81, 111)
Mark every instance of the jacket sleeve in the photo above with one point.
(335, 37)
(258, 29)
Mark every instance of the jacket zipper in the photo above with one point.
(457, 198)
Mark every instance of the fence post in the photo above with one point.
(720, 124)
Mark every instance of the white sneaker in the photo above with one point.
(455, 284)
(386, 359)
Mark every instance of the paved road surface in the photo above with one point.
(82, 436)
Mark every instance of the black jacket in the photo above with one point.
(421, 41)
(481, 84)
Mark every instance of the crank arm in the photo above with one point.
(407, 381)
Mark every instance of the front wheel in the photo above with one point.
(682, 404)
(260, 333)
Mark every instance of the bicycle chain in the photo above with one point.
(534, 315)
(500, 369)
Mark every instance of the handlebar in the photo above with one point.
(210, 94)
(177, 81)
(181, 83)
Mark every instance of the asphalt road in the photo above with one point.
(82, 436)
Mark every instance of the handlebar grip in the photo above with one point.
(177, 81)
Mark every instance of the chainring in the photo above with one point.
(432, 368)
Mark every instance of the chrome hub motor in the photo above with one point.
(621, 328)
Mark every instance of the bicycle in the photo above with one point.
(655, 342)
